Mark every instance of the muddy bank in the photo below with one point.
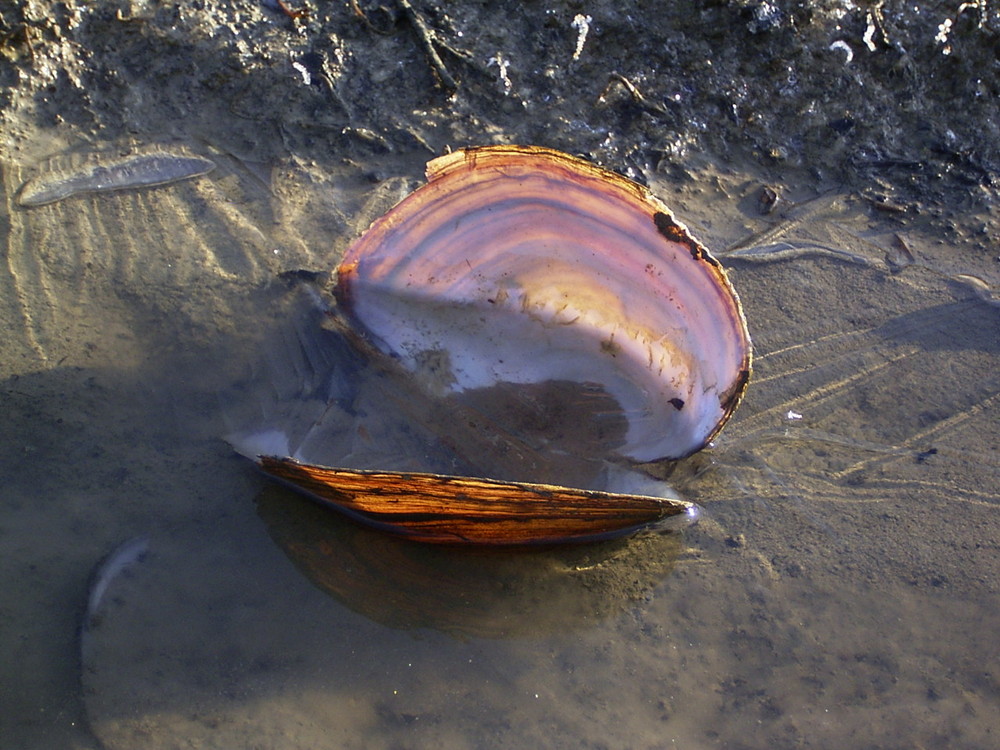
(858, 95)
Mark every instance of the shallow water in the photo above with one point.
(839, 590)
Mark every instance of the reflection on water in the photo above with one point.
(469, 593)
(837, 590)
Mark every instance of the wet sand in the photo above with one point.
(840, 589)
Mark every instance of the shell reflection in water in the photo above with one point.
(561, 326)
(503, 593)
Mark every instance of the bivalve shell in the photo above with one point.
(525, 265)
(525, 268)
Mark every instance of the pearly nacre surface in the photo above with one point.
(524, 265)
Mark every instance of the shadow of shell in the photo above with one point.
(466, 593)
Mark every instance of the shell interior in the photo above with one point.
(520, 265)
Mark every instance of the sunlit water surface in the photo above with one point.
(840, 589)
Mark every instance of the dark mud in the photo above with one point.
(862, 95)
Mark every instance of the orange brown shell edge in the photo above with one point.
(455, 510)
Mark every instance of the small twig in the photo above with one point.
(637, 97)
(293, 14)
(367, 21)
(429, 41)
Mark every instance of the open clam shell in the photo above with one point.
(465, 510)
(521, 274)
(525, 265)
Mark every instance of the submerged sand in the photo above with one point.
(842, 586)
